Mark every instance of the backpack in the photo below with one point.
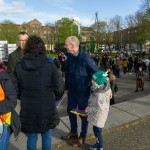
(116, 88)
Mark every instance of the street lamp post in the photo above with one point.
(121, 39)
(97, 29)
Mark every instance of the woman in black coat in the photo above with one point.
(39, 86)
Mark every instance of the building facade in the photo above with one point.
(121, 39)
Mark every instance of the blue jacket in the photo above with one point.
(79, 72)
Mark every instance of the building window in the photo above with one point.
(33, 25)
(83, 39)
(83, 34)
(38, 26)
(91, 34)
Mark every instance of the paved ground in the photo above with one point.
(127, 85)
(130, 136)
(134, 135)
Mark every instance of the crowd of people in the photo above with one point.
(38, 82)
(127, 64)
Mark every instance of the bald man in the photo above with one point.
(80, 68)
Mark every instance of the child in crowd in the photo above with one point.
(112, 81)
(99, 107)
(140, 79)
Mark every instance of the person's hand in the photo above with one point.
(87, 109)
(65, 93)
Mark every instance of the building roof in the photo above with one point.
(34, 20)
(86, 28)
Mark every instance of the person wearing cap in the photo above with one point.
(99, 106)
(80, 67)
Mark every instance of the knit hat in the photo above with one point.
(99, 77)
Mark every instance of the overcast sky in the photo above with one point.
(45, 11)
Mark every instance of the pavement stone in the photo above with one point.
(125, 129)
(134, 135)
(118, 133)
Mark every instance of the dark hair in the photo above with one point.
(35, 45)
(22, 32)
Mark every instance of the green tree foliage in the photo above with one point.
(65, 27)
(99, 31)
(143, 32)
(104, 32)
(9, 31)
(48, 35)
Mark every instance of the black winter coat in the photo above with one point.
(39, 86)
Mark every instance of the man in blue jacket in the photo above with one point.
(80, 68)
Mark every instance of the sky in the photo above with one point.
(49, 11)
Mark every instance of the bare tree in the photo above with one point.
(145, 5)
(118, 22)
(130, 21)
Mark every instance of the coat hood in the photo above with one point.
(3, 74)
(103, 90)
(32, 62)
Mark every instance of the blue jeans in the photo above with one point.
(46, 140)
(5, 138)
(98, 135)
(80, 101)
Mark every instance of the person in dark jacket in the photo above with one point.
(57, 62)
(63, 66)
(130, 64)
(112, 81)
(149, 67)
(17, 55)
(80, 68)
(9, 119)
(39, 86)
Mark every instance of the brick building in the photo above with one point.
(122, 39)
